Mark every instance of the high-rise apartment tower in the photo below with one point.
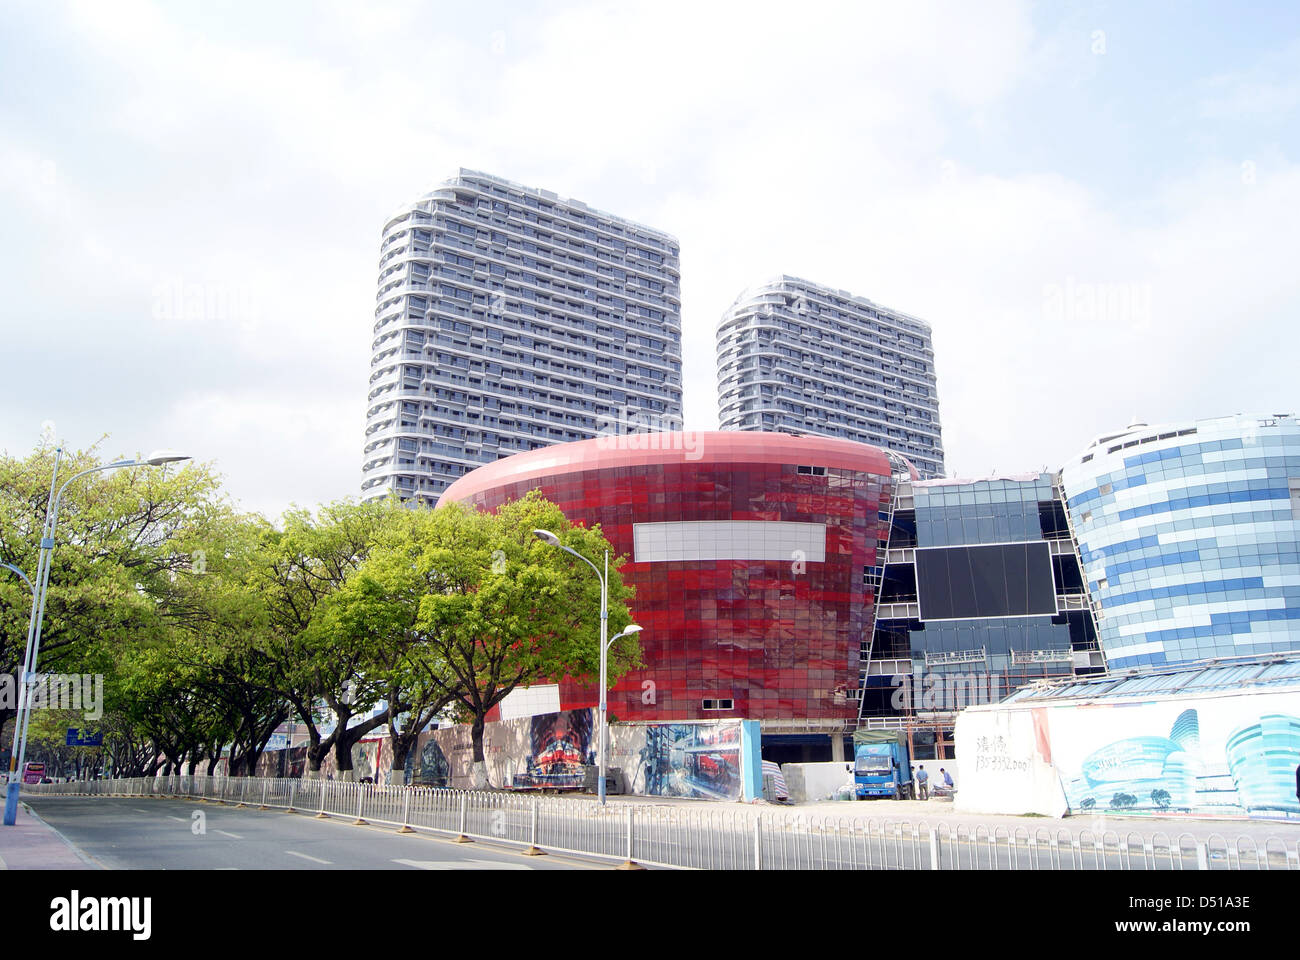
(507, 319)
(797, 357)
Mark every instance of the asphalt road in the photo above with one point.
(166, 834)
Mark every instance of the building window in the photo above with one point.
(717, 704)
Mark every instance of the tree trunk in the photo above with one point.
(317, 751)
(476, 733)
(402, 745)
(343, 759)
(480, 778)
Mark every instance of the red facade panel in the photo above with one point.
(780, 639)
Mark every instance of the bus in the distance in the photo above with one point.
(33, 772)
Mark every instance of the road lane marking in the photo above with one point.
(138, 810)
(462, 865)
(232, 836)
(180, 819)
(295, 853)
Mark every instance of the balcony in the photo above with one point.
(898, 611)
(940, 658)
(897, 667)
(1042, 656)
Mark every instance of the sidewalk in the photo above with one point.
(32, 844)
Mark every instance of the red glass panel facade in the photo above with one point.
(778, 638)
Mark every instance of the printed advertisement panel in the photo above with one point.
(1228, 755)
(699, 760)
(1234, 755)
(560, 745)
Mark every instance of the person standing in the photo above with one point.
(923, 782)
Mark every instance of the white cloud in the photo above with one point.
(210, 232)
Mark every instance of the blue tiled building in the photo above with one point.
(1190, 539)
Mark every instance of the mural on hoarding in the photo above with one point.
(427, 765)
(560, 745)
(699, 760)
(551, 751)
(542, 751)
(295, 761)
(1229, 755)
(366, 758)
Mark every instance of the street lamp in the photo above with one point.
(27, 649)
(24, 714)
(10, 566)
(554, 541)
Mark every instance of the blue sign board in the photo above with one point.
(77, 739)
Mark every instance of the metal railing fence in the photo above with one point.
(667, 835)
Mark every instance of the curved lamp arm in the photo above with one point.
(10, 566)
(629, 630)
(554, 541)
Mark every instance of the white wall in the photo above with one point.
(1004, 764)
(815, 781)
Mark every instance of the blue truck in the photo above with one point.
(882, 765)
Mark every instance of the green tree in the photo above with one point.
(499, 608)
(376, 612)
(47, 741)
(122, 538)
(321, 671)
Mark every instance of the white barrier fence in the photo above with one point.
(745, 839)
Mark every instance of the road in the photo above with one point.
(166, 834)
(159, 833)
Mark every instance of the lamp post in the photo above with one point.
(605, 644)
(27, 649)
(24, 715)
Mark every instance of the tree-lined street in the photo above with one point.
(207, 628)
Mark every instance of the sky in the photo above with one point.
(1094, 205)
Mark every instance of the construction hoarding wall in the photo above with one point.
(1227, 754)
(711, 759)
(547, 750)
(1004, 763)
(706, 760)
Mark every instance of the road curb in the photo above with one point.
(84, 857)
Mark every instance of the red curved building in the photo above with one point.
(751, 556)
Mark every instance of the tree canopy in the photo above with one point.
(210, 626)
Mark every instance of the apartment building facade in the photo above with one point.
(798, 357)
(508, 318)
